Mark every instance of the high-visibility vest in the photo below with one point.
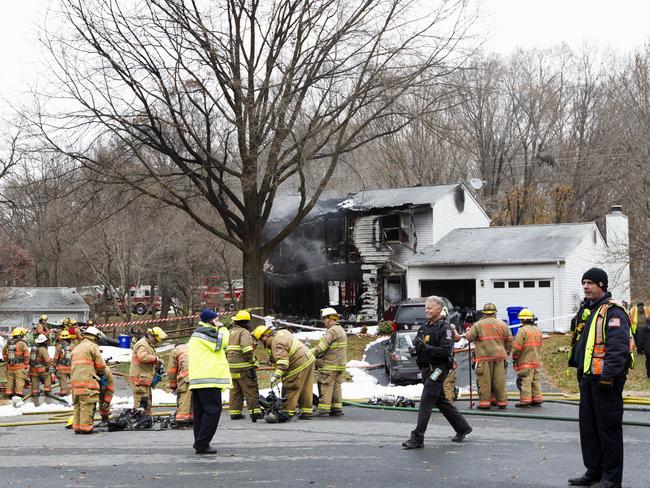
(207, 357)
(595, 347)
(634, 317)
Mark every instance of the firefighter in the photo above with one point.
(209, 374)
(74, 332)
(87, 377)
(39, 366)
(62, 362)
(106, 392)
(15, 354)
(243, 369)
(331, 360)
(493, 345)
(143, 366)
(526, 357)
(602, 354)
(449, 387)
(177, 371)
(294, 367)
(42, 327)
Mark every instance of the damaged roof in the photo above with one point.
(51, 299)
(505, 245)
(396, 197)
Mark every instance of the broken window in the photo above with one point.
(392, 230)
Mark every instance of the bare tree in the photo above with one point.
(233, 102)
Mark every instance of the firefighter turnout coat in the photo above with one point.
(177, 373)
(526, 360)
(243, 369)
(141, 372)
(331, 354)
(87, 366)
(15, 354)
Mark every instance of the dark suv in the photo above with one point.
(410, 314)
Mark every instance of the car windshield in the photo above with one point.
(405, 340)
(411, 314)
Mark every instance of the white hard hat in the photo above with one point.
(94, 331)
(326, 312)
(42, 338)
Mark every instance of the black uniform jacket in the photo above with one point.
(434, 344)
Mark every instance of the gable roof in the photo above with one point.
(505, 245)
(396, 197)
(46, 299)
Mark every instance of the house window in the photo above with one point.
(545, 284)
(391, 229)
(499, 284)
(529, 284)
(513, 284)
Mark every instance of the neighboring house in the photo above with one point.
(368, 252)
(22, 307)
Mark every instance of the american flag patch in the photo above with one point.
(614, 322)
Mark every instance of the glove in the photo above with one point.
(274, 380)
(103, 381)
(157, 378)
(605, 383)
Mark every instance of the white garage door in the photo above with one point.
(535, 294)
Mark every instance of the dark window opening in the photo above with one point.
(544, 284)
(529, 284)
(499, 284)
(513, 284)
(391, 229)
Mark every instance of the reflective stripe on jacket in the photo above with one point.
(63, 358)
(16, 355)
(332, 348)
(527, 348)
(143, 363)
(39, 360)
(596, 346)
(87, 366)
(493, 339)
(289, 354)
(177, 366)
(208, 365)
(240, 350)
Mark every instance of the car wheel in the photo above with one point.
(140, 309)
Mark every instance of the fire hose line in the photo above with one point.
(571, 402)
(490, 414)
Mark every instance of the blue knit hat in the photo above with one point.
(208, 315)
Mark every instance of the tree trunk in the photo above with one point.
(253, 282)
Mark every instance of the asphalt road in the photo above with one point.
(360, 449)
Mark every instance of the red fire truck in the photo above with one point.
(216, 293)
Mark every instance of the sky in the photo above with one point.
(506, 24)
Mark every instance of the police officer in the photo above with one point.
(602, 355)
(433, 348)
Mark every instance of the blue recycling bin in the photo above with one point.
(513, 318)
(124, 341)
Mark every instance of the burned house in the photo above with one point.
(351, 252)
(365, 253)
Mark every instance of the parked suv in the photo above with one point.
(410, 314)
(398, 363)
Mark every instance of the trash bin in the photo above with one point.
(124, 341)
(513, 312)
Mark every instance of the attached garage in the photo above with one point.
(536, 266)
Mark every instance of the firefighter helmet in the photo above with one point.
(43, 318)
(158, 333)
(73, 321)
(328, 312)
(90, 323)
(92, 331)
(489, 309)
(526, 316)
(260, 330)
(64, 335)
(242, 315)
(41, 339)
(18, 331)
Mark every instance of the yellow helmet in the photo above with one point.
(489, 309)
(18, 331)
(43, 317)
(158, 333)
(66, 320)
(242, 315)
(526, 315)
(64, 335)
(89, 323)
(259, 331)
